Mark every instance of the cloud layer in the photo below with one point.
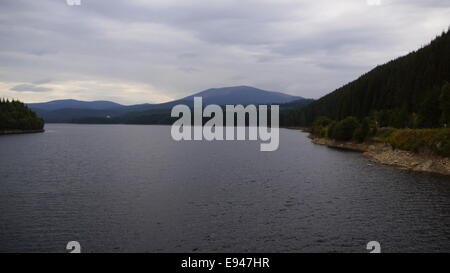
(138, 51)
(30, 88)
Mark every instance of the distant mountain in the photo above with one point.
(242, 95)
(67, 111)
(74, 104)
(63, 111)
(405, 92)
(69, 115)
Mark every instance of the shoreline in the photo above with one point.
(383, 153)
(18, 132)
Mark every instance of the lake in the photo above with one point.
(126, 188)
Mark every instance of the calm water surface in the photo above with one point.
(123, 188)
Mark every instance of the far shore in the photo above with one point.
(15, 132)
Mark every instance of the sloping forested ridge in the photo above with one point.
(410, 91)
(14, 115)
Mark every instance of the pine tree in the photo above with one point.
(430, 113)
(445, 104)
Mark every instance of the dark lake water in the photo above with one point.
(124, 188)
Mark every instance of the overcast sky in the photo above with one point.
(136, 51)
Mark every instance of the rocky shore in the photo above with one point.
(423, 161)
(12, 132)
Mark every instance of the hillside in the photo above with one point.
(15, 116)
(406, 92)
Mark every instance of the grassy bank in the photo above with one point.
(367, 130)
(417, 140)
(435, 141)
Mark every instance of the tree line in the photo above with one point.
(14, 115)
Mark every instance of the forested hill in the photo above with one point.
(406, 92)
(14, 115)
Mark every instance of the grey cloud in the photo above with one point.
(42, 81)
(343, 66)
(305, 48)
(341, 41)
(188, 55)
(30, 88)
(435, 4)
(189, 69)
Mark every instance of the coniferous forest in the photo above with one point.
(15, 115)
(410, 92)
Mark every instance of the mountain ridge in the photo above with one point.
(70, 110)
(74, 104)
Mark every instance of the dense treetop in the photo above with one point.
(14, 115)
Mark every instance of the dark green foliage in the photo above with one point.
(400, 119)
(383, 134)
(362, 131)
(290, 112)
(397, 118)
(382, 117)
(445, 105)
(345, 129)
(14, 115)
(402, 92)
(436, 140)
(430, 113)
(349, 128)
(331, 129)
(320, 126)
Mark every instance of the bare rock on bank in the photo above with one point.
(346, 145)
(423, 161)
